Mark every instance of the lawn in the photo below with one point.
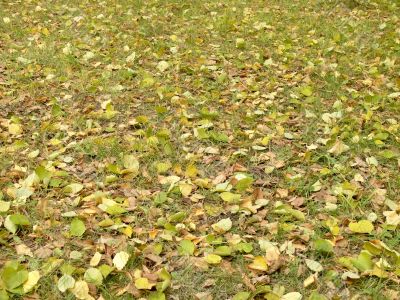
(172, 149)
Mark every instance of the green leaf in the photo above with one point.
(299, 215)
(306, 91)
(178, 217)
(240, 43)
(316, 296)
(244, 184)
(223, 251)
(160, 198)
(105, 270)
(186, 247)
(43, 173)
(21, 220)
(77, 228)
(244, 247)
(219, 137)
(115, 210)
(114, 169)
(93, 275)
(4, 295)
(201, 133)
(241, 296)
(164, 275)
(147, 81)
(388, 154)
(13, 275)
(363, 262)
(65, 282)
(162, 66)
(50, 265)
(156, 296)
(67, 269)
(324, 246)
(185, 189)
(12, 222)
(162, 286)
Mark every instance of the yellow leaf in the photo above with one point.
(131, 164)
(120, 259)
(128, 231)
(15, 129)
(143, 283)
(191, 171)
(259, 263)
(213, 259)
(33, 278)
(81, 290)
(4, 206)
(363, 226)
(94, 261)
(185, 189)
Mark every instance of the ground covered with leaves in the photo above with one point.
(170, 149)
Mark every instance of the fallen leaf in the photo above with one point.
(213, 259)
(363, 226)
(259, 264)
(65, 282)
(222, 226)
(120, 259)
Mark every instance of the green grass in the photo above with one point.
(217, 282)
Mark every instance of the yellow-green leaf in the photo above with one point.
(77, 228)
(213, 259)
(143, 283)
(65, 282)
(230, 197)
(93, 275)
(363, 226)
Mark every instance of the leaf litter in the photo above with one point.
(204, 150)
